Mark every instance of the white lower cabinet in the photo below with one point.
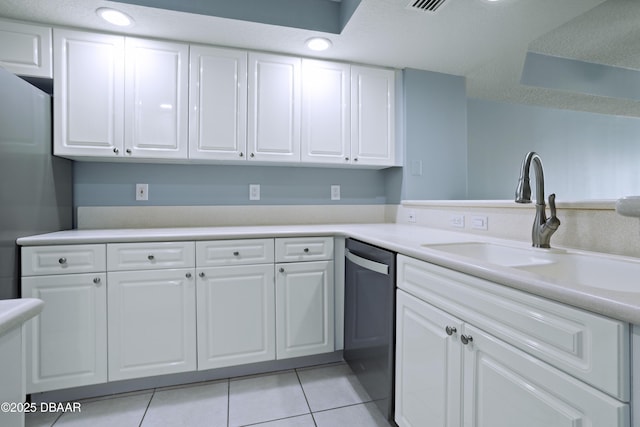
(236, 315)
(66, 345)
(450, 371)
(152, 322)
(428, 365)
(304, 301)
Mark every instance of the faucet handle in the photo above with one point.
(553, 221)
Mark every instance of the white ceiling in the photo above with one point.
(484, 41)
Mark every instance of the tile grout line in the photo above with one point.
(147, 408)
(305, 398)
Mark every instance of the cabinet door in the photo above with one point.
(326, 136)
(504, 386)
(236, 315)
(89, 86)
(218, 103)
(156, 99)
(372, 116)
(66, 345)
(304, 309)
(428, 365)
(274, 108)
(25, 49)
(152, 323)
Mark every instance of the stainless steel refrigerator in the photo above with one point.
(36, 188)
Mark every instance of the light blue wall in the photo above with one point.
(435, 107)
(585, 155)
(113, 184)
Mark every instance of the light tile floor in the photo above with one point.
(322, 396)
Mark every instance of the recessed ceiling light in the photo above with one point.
(115, 17)
(318, 43)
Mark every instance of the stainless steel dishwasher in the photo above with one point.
(369, 320)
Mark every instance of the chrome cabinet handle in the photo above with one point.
(252, 155)
(115, 150)
(450, 330)
(201, 274)
(62, 261)
(241, 154)
(188, 275)
(151, 257)
(306, 250)
(96, 281)
(466, 339)
(236, 253)
(346, 159)
(128, 150)
(281, 270)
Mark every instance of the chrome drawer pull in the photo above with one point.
(151, 257)
(236, 253)
(96, 281)
(306, 250)
(466, 339)
(62, 261)
(188, 275)
(281, 270)
(201, 274)
(450, 330)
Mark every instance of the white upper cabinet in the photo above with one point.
(119, 96)
(156, 99)
(218, 103)
(25, 49)
(274, 108)
(326, 134)
(89, 87)
(373, 116)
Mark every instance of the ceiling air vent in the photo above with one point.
(425, 5)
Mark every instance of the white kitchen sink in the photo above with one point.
(493, 253)
(561, 265)
(592, 271)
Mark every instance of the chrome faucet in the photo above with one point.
(543, 228)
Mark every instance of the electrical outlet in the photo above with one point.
(479, 222)
(254, 191)
(142, 191)
(457, 221)
(335, 192)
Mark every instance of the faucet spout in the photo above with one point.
(543, 228)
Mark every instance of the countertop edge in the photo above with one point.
(14, 312)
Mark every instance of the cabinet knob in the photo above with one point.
(188, 275)
(306, 250)
(128, 150)
(252, 155)
(466, 339)
(450, 330)
(241, 154)
(97, 281)
(201, 274)
(236, 253)
(62, 261)
(150, 257)
(281, 270)
(346, 159)
(355, 159)
(115, 150)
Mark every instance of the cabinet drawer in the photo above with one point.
(295, 249)
(588, 346)
(234, 252)
(150, 255)
(64, 259)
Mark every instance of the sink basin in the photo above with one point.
(592, 271)
(559, 265)
(492, 253)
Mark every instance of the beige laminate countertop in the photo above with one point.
(404, 239)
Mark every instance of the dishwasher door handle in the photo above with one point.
(378, 267)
